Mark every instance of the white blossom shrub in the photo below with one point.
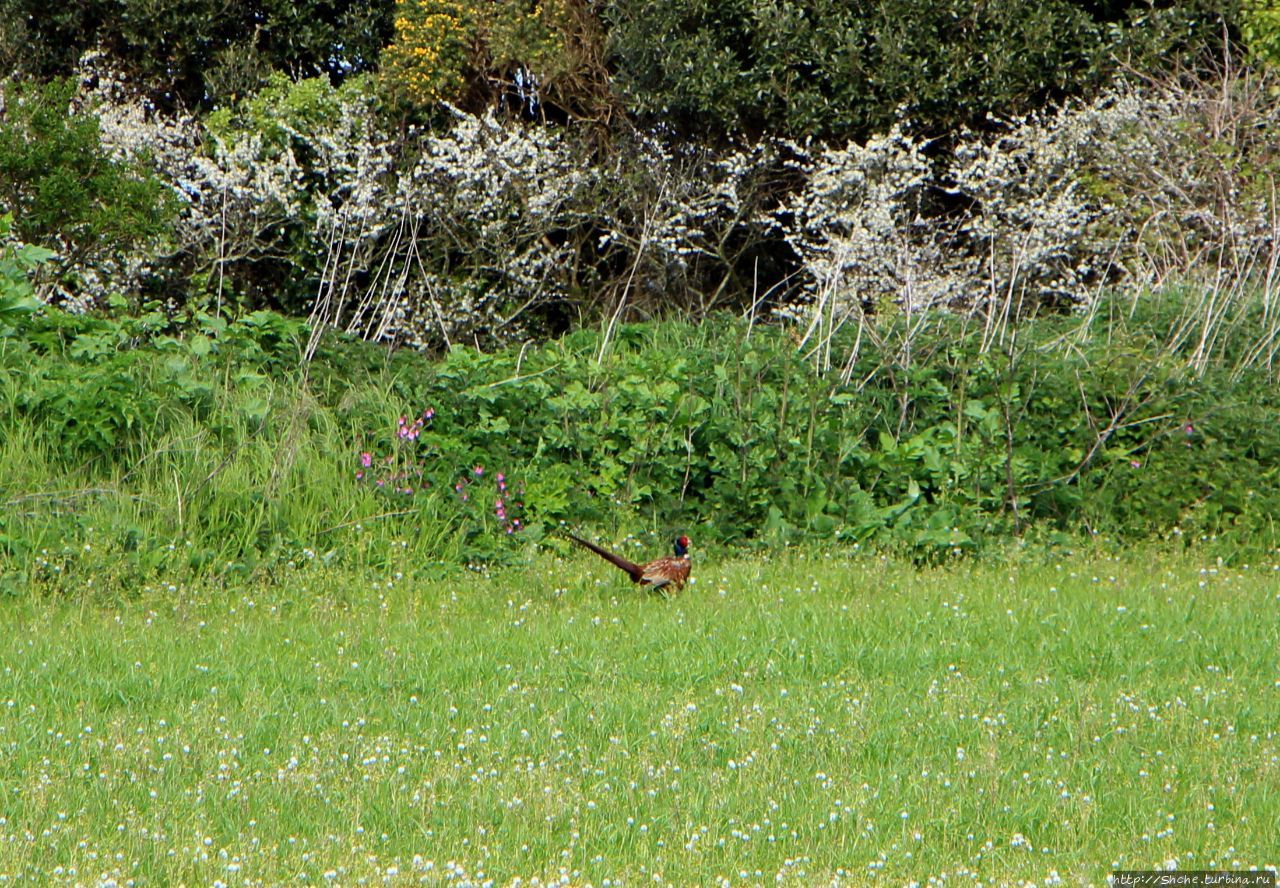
(1138, 185)
(683, 218)
(514, 227)
(257, 193)
(483, 230)
(1030, 231)
(1196, 177)
(503, 231)
(487, 230)
(859, 229)
(490, 220)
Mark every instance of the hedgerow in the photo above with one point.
(486, 230)
(210, 442)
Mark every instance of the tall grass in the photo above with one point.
(250, 475)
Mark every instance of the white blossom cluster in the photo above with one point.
(234, 199)
(1047, 208)
(497, 222)
(466, 233)
(684, 214)
(489, 212)
(242, 197)
(858, 227)
(1194, 176)
(454, 238)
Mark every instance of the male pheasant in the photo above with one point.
(661, 573)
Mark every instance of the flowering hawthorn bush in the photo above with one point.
(487, 230)
(1138, 186)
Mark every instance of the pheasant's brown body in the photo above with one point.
(671, 571)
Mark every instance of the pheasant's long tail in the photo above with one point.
(634, 570)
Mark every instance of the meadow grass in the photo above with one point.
(807, 718)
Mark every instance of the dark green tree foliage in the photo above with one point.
(61, 187)
(840, 69)
(196, 52)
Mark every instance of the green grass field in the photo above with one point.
(801, 720)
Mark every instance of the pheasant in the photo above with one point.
(672, 570)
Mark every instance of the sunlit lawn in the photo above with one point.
(804, 721)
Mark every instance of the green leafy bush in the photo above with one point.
(104, 390)
(1260, 27)
(959, 446)
(18, 262)
(66, 193)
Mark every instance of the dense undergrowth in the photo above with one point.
(134, 449)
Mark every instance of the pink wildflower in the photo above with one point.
(366, 460)
(409, 431)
